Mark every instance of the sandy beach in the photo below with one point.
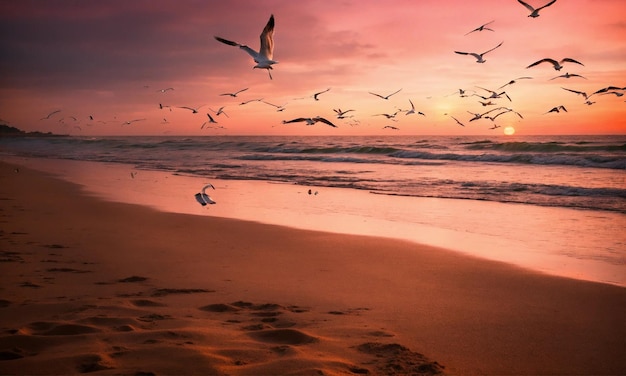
(90, 286)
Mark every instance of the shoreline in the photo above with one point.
(458, 225)
(91, 285)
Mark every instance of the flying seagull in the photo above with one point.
(166, 89)
(310, 121)
(514, 81)
(412, 110)
(211, 120)
(534, 13)
(235, 93)
(457, 121)
(557, 109)
(568, 75)
(263, 58)
(193, 110)
(341, 114)
(557, 64)
(482, 27)
(251, 100)
(577, 92)
(219, 111)
(385, 97)
(128, 122)
(479, 57)
(203, 198)
(278, 108)
(315, 96)
(391, 127)
(50, 114)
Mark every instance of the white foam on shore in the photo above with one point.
(581, 244)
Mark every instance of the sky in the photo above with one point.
(101, 64)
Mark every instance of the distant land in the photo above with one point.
(8, 131)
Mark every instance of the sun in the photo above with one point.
(509, 131)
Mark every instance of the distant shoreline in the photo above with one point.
(8, 131)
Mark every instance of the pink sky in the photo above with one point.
(108, 59)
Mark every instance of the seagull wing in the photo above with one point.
(530, 8)
(547, 5)
(297, 120)
(576, 92)
(250, 51)
(493, 48)
(395, 92)
(571, 61)
(325, 121)
(267, 40)
(551, 61)
(226, 41)
(378, 95)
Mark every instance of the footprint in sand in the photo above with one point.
(269, 328)
(43, 328)
(283, 336)
(399, 359)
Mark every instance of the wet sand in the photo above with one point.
(112, 288)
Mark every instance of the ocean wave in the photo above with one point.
(547, 147)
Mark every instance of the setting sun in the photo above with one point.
(509, 131)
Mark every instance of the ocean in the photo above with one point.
(563, 195)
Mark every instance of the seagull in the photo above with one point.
(315, 96)
(162, 106)
(128, 122)
(391, 127)
(506, 111)
(193, 110)
(457, 121)
(481, 28)
(388, 116)
(568, 75)
(251, 100)
(514, 81)
(310, 121)
(203, 198)
(219, 111)
(557, 64)
(166, 89)
(235, 93)
(608, 88)
(385, 97)
(479, 57)
(412, 110)
(211, 120)
(341, 114)
(493, 95)
(534, 13)
(462, 93)
(557, 109)
(577, 92)
(264, 57)
(50, 114)
(278, 108)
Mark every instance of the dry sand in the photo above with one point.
(111, 288)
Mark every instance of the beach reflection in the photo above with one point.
(580, 244)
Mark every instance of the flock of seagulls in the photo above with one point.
(486, 97)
